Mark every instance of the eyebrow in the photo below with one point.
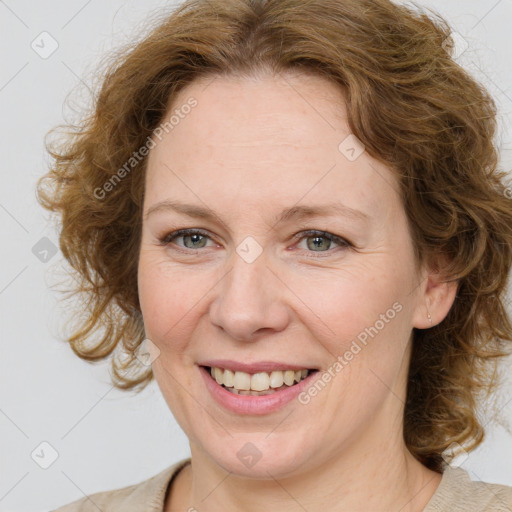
(293, 213)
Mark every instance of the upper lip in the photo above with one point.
(258, 366)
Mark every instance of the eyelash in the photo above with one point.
(344, 244)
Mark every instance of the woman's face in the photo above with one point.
(253, 165)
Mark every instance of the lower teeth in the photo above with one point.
(269, 391)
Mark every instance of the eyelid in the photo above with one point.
(325, 234)
(169, 237)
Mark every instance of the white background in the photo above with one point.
(106, 438)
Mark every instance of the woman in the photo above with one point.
(294, 209)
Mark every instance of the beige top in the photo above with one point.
(456, 493)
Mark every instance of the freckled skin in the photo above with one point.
(248, 150)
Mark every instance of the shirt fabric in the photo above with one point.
(456, 493)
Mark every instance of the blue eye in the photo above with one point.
(318, 240)
(194, 239)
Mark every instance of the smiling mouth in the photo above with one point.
(257, 384)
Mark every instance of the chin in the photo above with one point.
(254, 455)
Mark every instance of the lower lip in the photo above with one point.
(247, 404)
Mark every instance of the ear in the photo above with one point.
(435, 298)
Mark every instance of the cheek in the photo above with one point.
(344, 301)
(361, 317)
(167, 298)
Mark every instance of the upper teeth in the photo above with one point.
(261, 381)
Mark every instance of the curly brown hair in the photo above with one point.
(412, 106)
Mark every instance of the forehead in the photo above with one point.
(290, 109)
(254, 140)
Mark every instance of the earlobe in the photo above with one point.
(429, 316)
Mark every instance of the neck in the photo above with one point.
(388, 478)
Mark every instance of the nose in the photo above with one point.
(250, 301)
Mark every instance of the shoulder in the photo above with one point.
(148, 495)
(457, 492)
